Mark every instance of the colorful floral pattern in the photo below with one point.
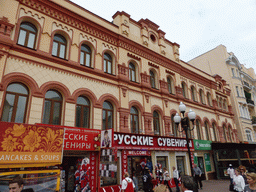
(20, 138)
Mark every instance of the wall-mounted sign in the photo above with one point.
(148, 142)
(24, 145)
(202, 145)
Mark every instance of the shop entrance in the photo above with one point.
(201, 166)
(136, 165)
(180, 165)
(75, 173)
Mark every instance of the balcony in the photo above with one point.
(247, 85)
(249, 102)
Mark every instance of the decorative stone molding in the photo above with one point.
(5, 26)
(133, 56)
(164, 86)
(124, 115)
(123, 72)
(145, 80)
(124, 90)
(147, 98)
(153, 65)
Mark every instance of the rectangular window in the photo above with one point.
(82, 58)
(237, 91)
(62, 51)
(31, 40)
(20, 111)
(54, 48)
(22, 37)
(88, 57)
(242, 92)
(233, 72)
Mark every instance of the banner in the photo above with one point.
(148, 142)
(82, 139)
(24, 145)
(207, 162)
(202, 145)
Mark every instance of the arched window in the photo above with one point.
(132, 72)
(85, 55)
(170, 85)
(174, 127)
(214, 132)
(230, 134)
(134, 114)
(52, 108)
(59, 46)
(201, 93)
(83, 112)
(184, 89)
(206, 128)
(156, 123)
(193, 93)
(209, 99)
(224, 133)
(108, 63)
(27, 35)
(15, 103)
(152, 79)
(107, 116)
(198, 127)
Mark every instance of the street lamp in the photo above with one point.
(185, 126)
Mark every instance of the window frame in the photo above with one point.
(206, 128)
(152, 79)
(198, 127)
(108, 110)
(132, 121)
(209, 99)
(59, 44)
(85, 55)
(27, 34)
(16, 98)
(106, 63)
(82, 112)
(131, 71)
(170, 85)
(193, 93)
(201, 94)
(156, 122)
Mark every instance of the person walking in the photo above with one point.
(238, 181)
(197, 174)
(147, 184)
(175, 173)
(242, 170)
(231, 173)
(166, 178)
(127, 183)
(135, 181)
(251, 179)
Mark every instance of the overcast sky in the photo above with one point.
(196, 25)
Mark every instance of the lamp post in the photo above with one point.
(185, 126)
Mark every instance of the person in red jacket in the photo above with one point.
(127, 183)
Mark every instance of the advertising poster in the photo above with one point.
(106, 138)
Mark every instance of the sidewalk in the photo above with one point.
(213, 186)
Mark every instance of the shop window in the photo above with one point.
(170, 85)
(132, 72)
(52, 108)
(156, 123)
(206, 127)
(134, 114)
(152, 79)
(59, 46)
(193, 93)
(184, 89)
(107, 115)
(161, 163)
(108, 168)
(198, 127)
(27, 35)
(201, 93)
(85, 55)
(83, 112)
(15, 103)
(108, 64)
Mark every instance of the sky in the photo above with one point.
(196, 25)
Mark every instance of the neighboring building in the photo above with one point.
(242, 82)
(63, 66)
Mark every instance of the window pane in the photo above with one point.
(21, 106)
(109, 67)
(22, 37)
(136, 124)
(82, 58)
(29, 27)
(86, 117)
(105, 66)
(47, 111)
(78, 116)
(31, 40)
(107, 105)
(104, 120)
(88, 60)
(83, 101)
(134, 110)
(17, 88)
(53, 95)
(110, 119)
(133, 75)
(54, 49)
(132, 126)
(8, 107)
(56, 114)
(60, 39)
(62, 51)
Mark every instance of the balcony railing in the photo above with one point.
(249, 101)
(246, 85)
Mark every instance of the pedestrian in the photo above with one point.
(166, 178)
(175, 173)
(197, 174)
(231, 173)
(147, 184)
(238, 181)
(251, 187)
(187, 183)
(243, 173)
(135, 181)
(127, 183)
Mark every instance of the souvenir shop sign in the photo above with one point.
(148, 142)
(24, 145)
(82, 139)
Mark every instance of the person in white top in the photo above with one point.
(231, 173)
(238, 181)
(187, 183)
(166, 178)
(176, 178)
(127, 183)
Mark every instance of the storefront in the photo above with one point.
(203, 157)
(32, 154)
(235, 154)
(133, 152)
